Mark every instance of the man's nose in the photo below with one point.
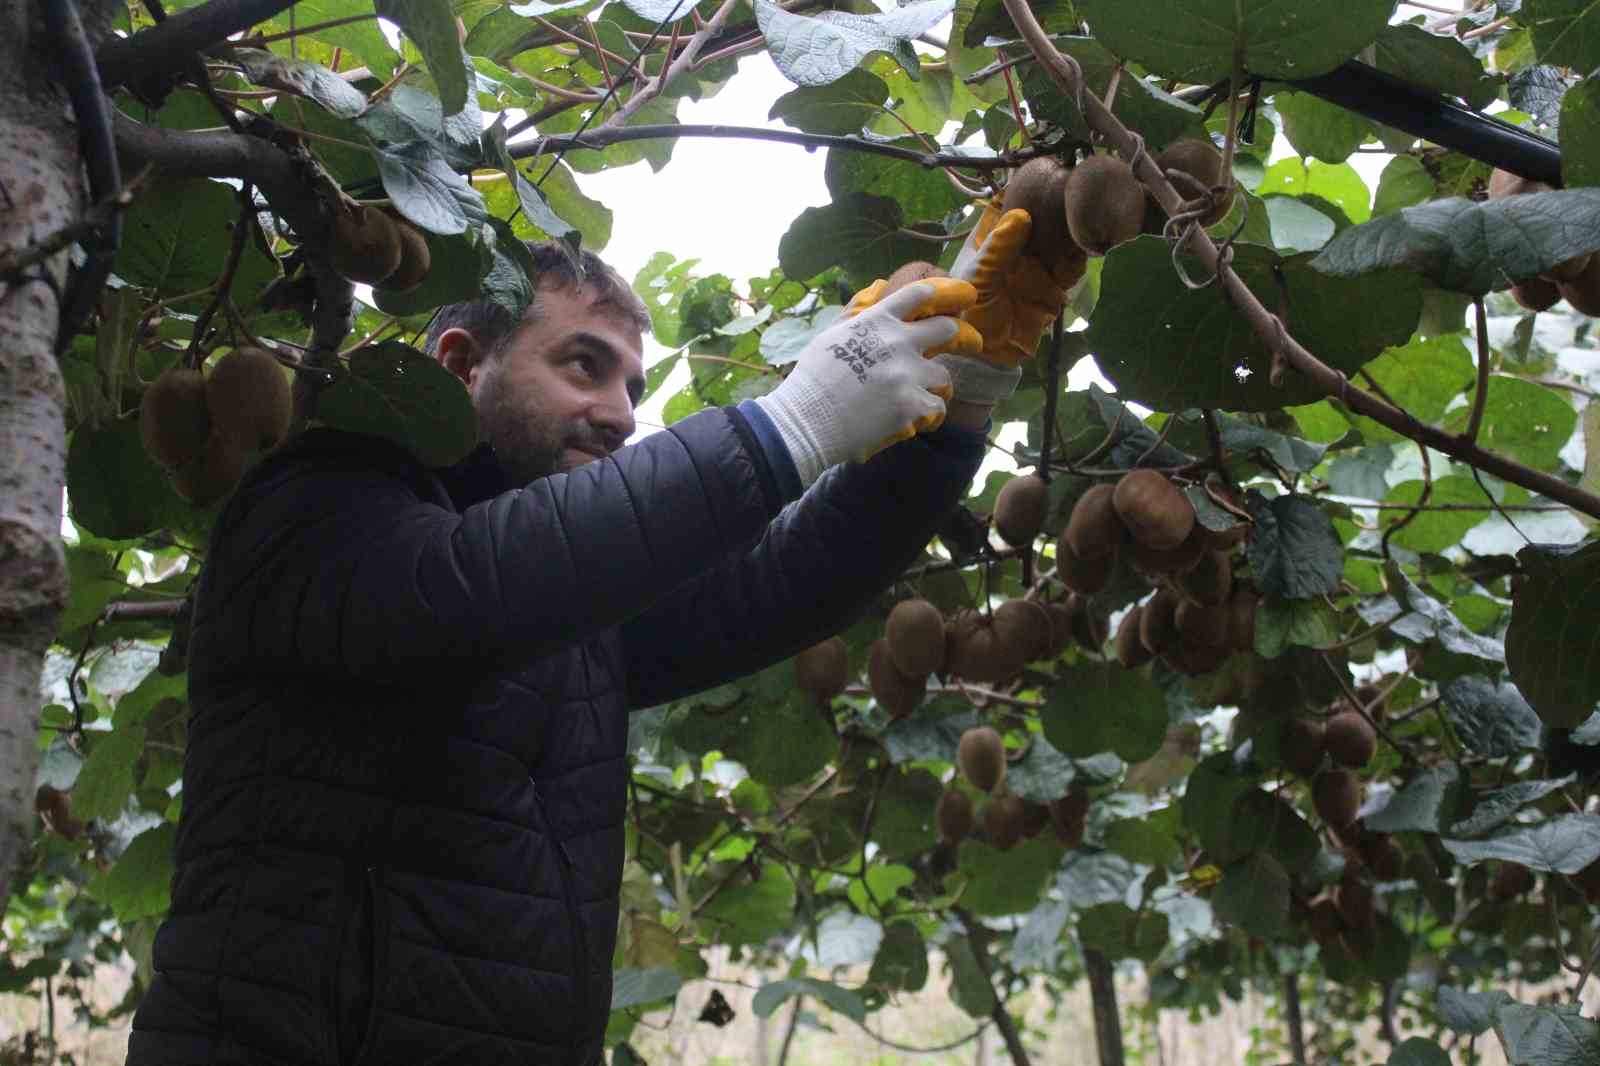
(613, 419)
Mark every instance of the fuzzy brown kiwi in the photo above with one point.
(1211, 582)
(1323, 919)
(981, 757)
(977, 652)
(915, 633)
(174, 421)
(1588, 882)
(1201, 160)
(954, 815)
(1537, 294)
(1089, 627)
(1384, 857)
(1505, 183)
(823, 669)
(1355, 898)
(1566, 270)
(1019, 510)
(1158, 623)
(1300, 743)
(1154, 563)
(1156, 513)
(1202, 626)
(1094, 531)
(1023, 627)
(1242, 618)
(415, 259)
(1105, 204)
(1336, 795)
(1004, 818)
(897, 693)
(364, 245)
(911, 273)
(1350, 740)
(55, 807)
(250, 399)
(1070, 814)
(212, 474)
(1061, 635)
(1583, 292)
(1086, 576)
(1039, 188)
(1510, 881)
(1131, 651)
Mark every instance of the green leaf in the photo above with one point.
(1434, 531)
(1043, 774)
(1472, 247)
(535, 207)
(1554, 632)
(114, 489)
(1143, 840)
(1098, 707)
(634, 988)
(860, 233)
(424, 188)
(1171, 348)
(175, 239)
(902, 823)
(1336, 185)
(106, 780)
(1404, 182)
(1470, 1013)
(432, 28)
(1422, 378)
(140, 884)
(1437, 62)
(769, 997)
(1294, 552)
(1119, 932)
(902, 959)
(1419, 1051)
(1526, 421)
(1433, 620)
(1422, 805)
(1209, 800)
(792, 743)
(1254, 895)
(1319, 129)
(1563, 844)
(1565, 32)
(1199, 41)
(1282, 624)
(1580, 134)
(1296, 226)
(591, 217)
(922, 193)
(359, 37)
(748, 912)
(841, 107)
(395, 392)
(884, 881)
(1494, 809)
(509, 279)
(1491, 719)
(311, 80)
(1007, 882)
(1160, 117)
(1547, 1036)
(95, 582)
(969, 988)
(845, 938)
(822, 49)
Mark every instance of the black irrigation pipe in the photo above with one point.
(1436, 117)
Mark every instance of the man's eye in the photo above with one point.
(587, 364)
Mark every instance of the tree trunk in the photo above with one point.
(41, 190)
(1291, 1012)
(1103, 993)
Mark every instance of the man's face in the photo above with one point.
(561, 392)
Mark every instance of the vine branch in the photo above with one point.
(168, 44)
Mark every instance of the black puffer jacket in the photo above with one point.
(402, 827)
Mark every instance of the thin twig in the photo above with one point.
(1481, 396)
(1415, 509)
(241, 231)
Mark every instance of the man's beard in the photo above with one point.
(527, 443)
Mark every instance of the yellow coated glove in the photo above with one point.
(1019, 295)
(951, 296)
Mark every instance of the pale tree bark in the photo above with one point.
(41, 191)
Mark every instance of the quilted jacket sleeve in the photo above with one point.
(822, 562)
(351, 562)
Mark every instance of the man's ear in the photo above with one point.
(459, 352)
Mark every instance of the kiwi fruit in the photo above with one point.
(916, 638)
(55, 808)
(981, 757)
(1504, 183)
(1201, 160)
(212, 474)
(1070, 815)
(250, 398)
(1336, 795)
(1089, 627)
(1510, 881)
(1023, 628)
(1355, 899)
(1154, 563)
(1105, 204)
(977, 652)
(1003, 820)
(1351, 740)
(823, 669)
(1588, 882)
(1082, 575)
(1093, 530)
(1211, 581)
(1242, 618)
(1156, 513)
(1039, 188)
(1324, 919)
(364, 245)
(1222, 540)
(954, 815)
(1384, 857)
(1019, 510)
(1131, 651)
(1035, 817)
(1061, 635)
(911, 273)
(1536, 294)
(1566, 270)
(415, 259)
(1583, 292)
(1300, 743)
(897, 693)
(1202, 627)
(174, 421)
(1158, 623)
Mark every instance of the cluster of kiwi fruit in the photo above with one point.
(374, 246)
(1576, 280)
(1086, 209)
(1199, 615)
(202, 428)
(1007, 819)
(55, 810)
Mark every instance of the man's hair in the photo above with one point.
(491, 324)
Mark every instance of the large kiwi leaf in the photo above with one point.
(393, 391)
(1555, 632)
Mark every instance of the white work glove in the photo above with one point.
(866, 381)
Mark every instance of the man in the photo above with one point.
(401, 839)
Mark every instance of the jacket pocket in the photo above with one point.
(356, 966)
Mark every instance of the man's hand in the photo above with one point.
(1019, 295)
(866, 381)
